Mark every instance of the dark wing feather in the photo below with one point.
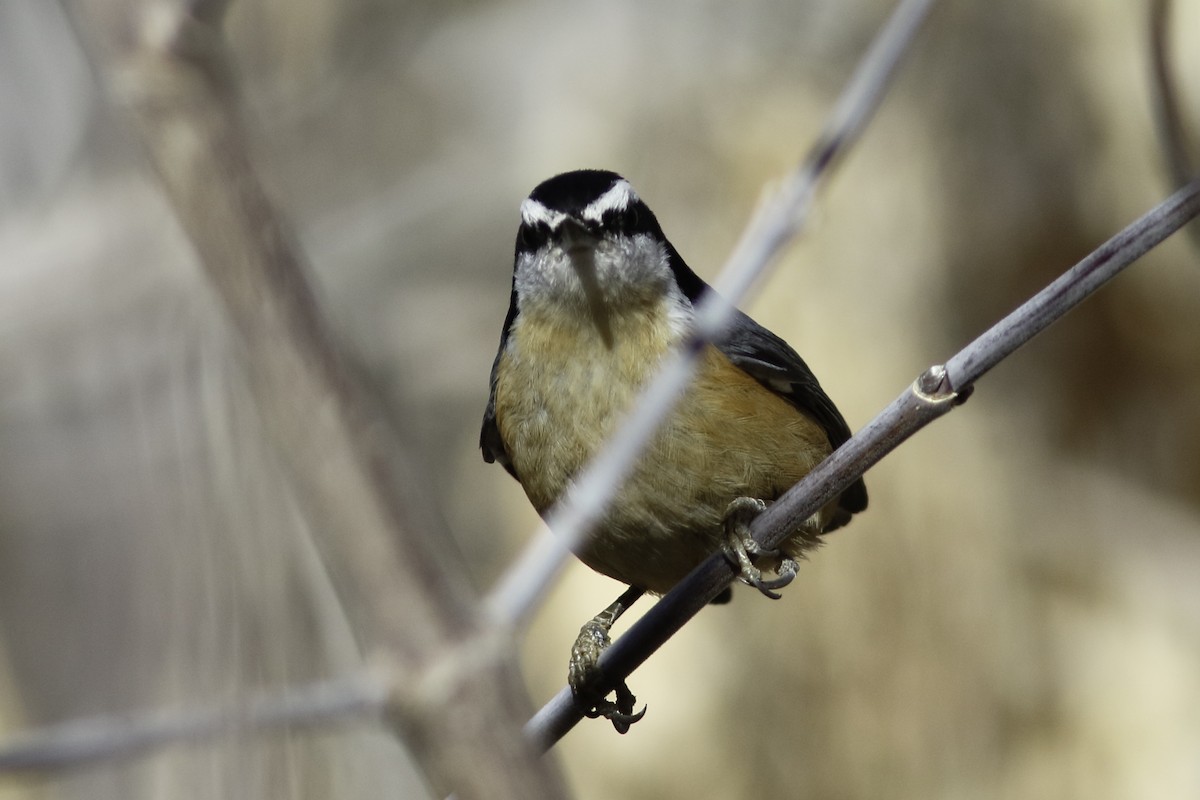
(490, 440)
(772, 362)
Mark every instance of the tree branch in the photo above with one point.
(81, 742)
(776, 222)
(934, 393)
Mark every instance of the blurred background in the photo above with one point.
(1017, 616)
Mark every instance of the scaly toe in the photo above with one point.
(583, 670)
(584, 673)
(739, 546)
(742, 511)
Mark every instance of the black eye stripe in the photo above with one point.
(628, 222)
(636, 218)
(624, 220)
(531, 238)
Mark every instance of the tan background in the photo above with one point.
(1018, 615)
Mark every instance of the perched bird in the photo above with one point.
(599, 295)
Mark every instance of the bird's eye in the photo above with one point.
(615, 220)
(531, 237)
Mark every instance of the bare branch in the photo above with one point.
(1072, 287)
(86, 741)
(775, 223)
(933, 394)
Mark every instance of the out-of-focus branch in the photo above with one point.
(934, 393)
(1172, 133)
(81, 742)
(209, 12)
(1166, 97)
(775, 223)
(455, 692)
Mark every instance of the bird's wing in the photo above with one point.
(490, 440)
(772, 362)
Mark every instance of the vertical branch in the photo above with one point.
(455, 692)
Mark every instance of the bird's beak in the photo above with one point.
(579, 243)
(575, 237)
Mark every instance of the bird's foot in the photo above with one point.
(584, 672)
(740, 547)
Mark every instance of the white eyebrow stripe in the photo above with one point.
(617, 198)
(533, 212)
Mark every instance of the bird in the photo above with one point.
(599, 296)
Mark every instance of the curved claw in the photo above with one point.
(619, 713)
(787, 573)
(766, 588)
(622, 722)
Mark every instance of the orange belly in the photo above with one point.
(559, 394)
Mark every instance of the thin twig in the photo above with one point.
(81, 742)
(775, 223)
(935, 393)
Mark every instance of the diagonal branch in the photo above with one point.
(934, 393)
(775, 224)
